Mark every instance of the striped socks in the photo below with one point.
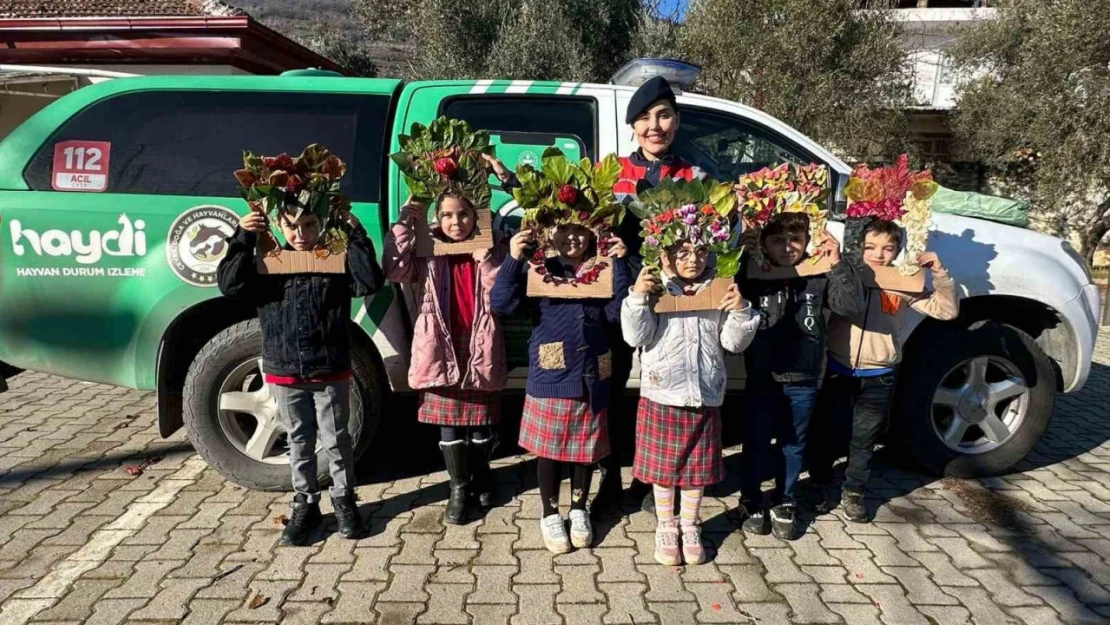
(664, 503)
(691, 506)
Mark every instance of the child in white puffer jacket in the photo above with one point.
(682, 386)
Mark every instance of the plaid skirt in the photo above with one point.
(456, 407)
(678, 446)
(564, 430)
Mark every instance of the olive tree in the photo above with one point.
(835, 71)
(517, 39)
(1034, 105)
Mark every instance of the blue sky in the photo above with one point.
(669, 5)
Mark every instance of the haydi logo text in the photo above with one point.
(127, 240)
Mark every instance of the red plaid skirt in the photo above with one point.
(452, 406)
(564, 430)
(678, 446)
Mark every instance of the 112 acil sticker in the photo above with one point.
(81, 166)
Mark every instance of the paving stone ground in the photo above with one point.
(83, 540)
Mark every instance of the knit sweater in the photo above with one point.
(569, 353)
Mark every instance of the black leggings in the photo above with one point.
(550, 474)
(451, 433)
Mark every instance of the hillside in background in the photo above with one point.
(320, 25)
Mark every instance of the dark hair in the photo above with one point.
(465, 200)
(786, 223)
(882, 226)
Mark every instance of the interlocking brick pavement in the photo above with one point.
(84, 541)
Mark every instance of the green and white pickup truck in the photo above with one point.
(115, 201)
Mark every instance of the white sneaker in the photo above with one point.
(581, 533)
(554, 534)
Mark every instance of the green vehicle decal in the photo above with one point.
(144, 259)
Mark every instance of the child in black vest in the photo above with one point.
(783, 365)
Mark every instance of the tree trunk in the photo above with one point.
(1093, 234)
(1088, 242)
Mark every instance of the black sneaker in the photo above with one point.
(303, 518)
(782, 522)
(756, 521)
(854, 508)
(347, 516)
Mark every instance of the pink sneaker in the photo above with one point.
(666, 544)
(692, 550)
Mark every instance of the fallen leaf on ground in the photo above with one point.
(258, 601)
(716, 606)
(281, 520)
(134, 471)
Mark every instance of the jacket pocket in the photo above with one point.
(605, 366)
(551, 356)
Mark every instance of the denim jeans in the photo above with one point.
(851, 413)
(309, 411)
(781, 411)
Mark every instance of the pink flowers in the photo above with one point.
(887, 210)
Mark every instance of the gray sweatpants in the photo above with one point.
(311, 410)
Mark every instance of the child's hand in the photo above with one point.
(645, 282)
(413, 212)
(617, 248)
(830, 248)
(519, 243)
(480, 256)
(732, 300)
(930, 260)
(352, 221)
(254, 222)
(497, 166)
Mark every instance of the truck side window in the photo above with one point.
(542, 118)
(189, 143)
(727, 146)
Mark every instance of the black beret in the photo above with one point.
(650, 92)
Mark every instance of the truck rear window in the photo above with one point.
(190, 142)
(543, 118)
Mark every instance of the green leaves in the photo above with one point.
(728, 263)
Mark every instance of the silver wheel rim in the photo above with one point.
(980, 404)
(249, 416)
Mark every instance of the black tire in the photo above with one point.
(229, 349)
(922, 374)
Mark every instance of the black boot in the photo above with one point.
(482, 484)
(854, 508)
(347, 516)
(455, 455)
(303, 518)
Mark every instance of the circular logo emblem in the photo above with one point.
(527, 157)
(198, 241)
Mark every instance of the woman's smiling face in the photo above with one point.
(655, 128)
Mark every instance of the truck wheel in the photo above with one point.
(976, 401)
(233, 421)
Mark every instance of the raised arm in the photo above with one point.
(622, 282)
(399, 257)
(846, 295)
(236, 274)
(362, 263)
(638, 321)
(943, 303)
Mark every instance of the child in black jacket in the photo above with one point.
(306, 357)
(783, 365)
